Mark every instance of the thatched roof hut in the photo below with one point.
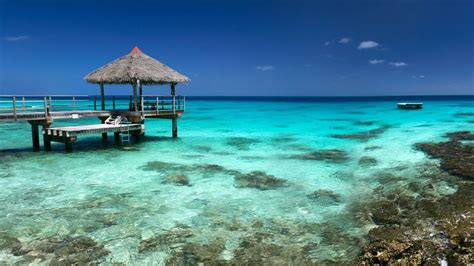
(135, 66)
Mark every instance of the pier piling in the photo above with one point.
(174, 126)
(35, 136)
(46, 139)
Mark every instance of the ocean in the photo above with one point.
(273, 177)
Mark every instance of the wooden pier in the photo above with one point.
(44, 110)
(68, 135)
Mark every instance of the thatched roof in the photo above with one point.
(135, 65)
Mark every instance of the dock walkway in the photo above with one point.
(44, 110)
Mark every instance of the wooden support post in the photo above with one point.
(104, 135)
(46, 141)
(142, 105)
(175, 127)
(68, 146)
(102, 96)
(23, 103)
(45, 108)
(116, 136)
(35, 135)
(14, 107)
(173, 94)
(184, 103)
(50, 104)
(135, 104)
(73, 103)
(157, 111)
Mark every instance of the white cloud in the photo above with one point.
(16, 38)
(418, 76)
(367, 45)
(398, 64)
(376, 61)
(327, 43)
(265, 68)
(344, 40)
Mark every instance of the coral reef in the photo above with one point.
(56, 251)
(241, 143)
(456, 158)
(367, 161)
(365, 135)
(260, 180)
(325, 195)
(327, 155)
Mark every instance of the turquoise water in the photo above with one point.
(122, 197)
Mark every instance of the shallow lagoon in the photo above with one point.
(331, 157)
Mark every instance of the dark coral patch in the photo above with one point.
(327, 155)
(367, 161)
(260, 180)
(364, 123)
(181, 180)
(61, 251)
(456, 157)
(325, 195)
(464, 114)
(363, 136)
(241, 143)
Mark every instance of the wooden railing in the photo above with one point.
(45, 105)
(159, 104)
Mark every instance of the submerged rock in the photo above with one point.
(172, 237)
(63, 251)
(363, 136)
(420, 230)
(328, 155)
(372, 148)
(325, 195)
(176, 171)
(385, 212)
(364, 123)
(456, 158)
(260, 180)
(257, 249)
(241, 143)
(367, 161)
(460, 135)
(181, 180)
(464, 114)
(196, 254)
(284, 138)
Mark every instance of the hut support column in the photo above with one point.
(46, 141)
(174, 124)
(102, 96)
(140, 90)
(135, 105)
(116, 136)
(68, 146)
(175, 127)
(35, 135)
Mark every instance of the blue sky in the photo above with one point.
(317, 48)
